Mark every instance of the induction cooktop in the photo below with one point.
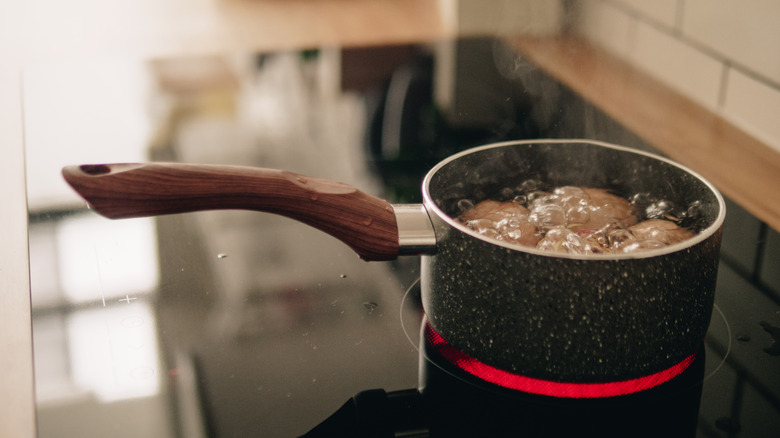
(233, 323)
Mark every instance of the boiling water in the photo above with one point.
(579, 220)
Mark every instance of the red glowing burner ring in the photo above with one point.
(551, 388)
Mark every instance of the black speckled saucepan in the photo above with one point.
(593, 318)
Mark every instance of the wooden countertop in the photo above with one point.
(744, 169)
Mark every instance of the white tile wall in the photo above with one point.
(725, 54)
(685, 68)
(744, 31)
(662, 11)
(609, 27)
(533, 17)
(754, 106)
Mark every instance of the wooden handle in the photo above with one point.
(364, 222)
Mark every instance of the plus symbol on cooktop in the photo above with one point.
(127, 299)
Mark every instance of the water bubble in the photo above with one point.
(520, 199)
(598, 219)
(659, 209)
(550, 215)
(566, 192)
(574, 244)
(511, 223)
(641, 199)
(222, 255)
(480, 224)
(485, 227)
(532, 196)
(465, 204)
(577, 215)
(554, 240)
(342, 275)
(694, 210)
(659, 236)
(643, 246)
(693, 216)
(511, 229)
(530, 185)
(651, 244)
(546, 199)
(492, 233)
(617, 238)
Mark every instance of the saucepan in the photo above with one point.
(579, 317)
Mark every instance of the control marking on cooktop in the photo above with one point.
(127, 299)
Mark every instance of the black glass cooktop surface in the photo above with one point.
(236, 323)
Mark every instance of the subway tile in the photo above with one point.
(745, 31)
(679, 65)
(754, 106)
(529, 17)
(660, 11)
(770, 262)
(605, 25)
(741, 232)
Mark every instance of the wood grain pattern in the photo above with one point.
(741, 167)
(365, 223)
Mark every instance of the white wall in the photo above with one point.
(724, 54)
(503, 17)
